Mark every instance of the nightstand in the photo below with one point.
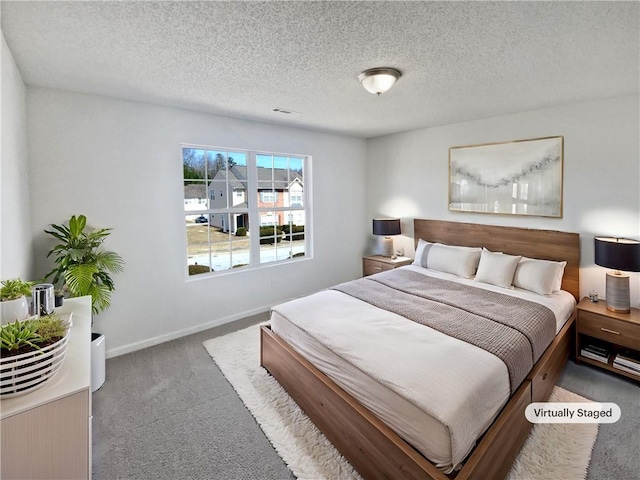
(613, 332)
(377, 263)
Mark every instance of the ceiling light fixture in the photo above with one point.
(379, 80)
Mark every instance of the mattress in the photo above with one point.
(438, 393)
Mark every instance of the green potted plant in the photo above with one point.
(84, 267)
(81, 264)
(13, 300)
(31, 352)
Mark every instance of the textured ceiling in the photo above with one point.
(460, 60)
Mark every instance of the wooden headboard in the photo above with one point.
(542, 244)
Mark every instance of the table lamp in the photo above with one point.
(618, 254)
(384, 228)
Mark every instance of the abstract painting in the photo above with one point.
(521, 177)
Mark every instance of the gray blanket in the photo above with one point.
(515, 330)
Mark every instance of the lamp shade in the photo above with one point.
(617, 253)
(386, 226)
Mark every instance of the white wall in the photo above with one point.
(15, 224)
(407, 174)
(119, 163)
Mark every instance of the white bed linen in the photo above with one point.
(451, 389)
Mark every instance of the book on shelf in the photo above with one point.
(628, 358)
(627, 363)
(594, 356)
(632, 367)
(626, 369)
(596, 349)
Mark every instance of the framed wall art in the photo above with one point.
(521, 177)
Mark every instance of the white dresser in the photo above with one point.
(46, 434)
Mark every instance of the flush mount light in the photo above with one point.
(379, 80)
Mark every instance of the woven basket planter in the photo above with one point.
(20, 374)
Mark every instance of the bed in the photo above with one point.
(388, 444)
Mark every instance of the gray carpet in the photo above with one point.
(167, 412)
(616, 454)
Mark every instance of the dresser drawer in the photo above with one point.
(371, 266)
(612, 330)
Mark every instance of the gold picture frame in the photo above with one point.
(519, 177)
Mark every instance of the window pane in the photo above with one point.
(296, 217)
(269, 232)
(295, 197)
(193, 164)
(270, 236)
(220, 242)
(273, 181)
(264, 164)
(282, 242)
(195, 196)
(295, 168)
(267, 219)
(267, 253)
(218, 191)
(197, 247)
(271, 247)
(238, 180)
(296, 184)
(294, 233)
(266, 195)
(281, 193)
(230, 244)
(238, 159)
(240, 245)
(230, 161)
(216, 162)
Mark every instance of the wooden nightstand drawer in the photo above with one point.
(371, 267)
(612, 330)
(377, 263)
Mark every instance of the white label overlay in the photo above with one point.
(566, 412)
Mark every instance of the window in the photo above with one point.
(227, 193)
(268, 197)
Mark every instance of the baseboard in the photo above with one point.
(150, 342)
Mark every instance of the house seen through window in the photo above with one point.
(243, 208)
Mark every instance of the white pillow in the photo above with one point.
(461, 261)
(497, 268)
(539, 276)
(557, 282)
(421, 253)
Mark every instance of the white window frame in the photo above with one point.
(251, 198)
(264, 194)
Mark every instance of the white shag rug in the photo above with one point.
(552, 451)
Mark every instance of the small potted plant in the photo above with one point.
(58, 295)
(31, 352)
(13, 300)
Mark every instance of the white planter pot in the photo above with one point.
(98, 360)
(12, 310)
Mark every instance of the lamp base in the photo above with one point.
(617, 293)
(385, 246)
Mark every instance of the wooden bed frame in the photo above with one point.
(375, 450)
